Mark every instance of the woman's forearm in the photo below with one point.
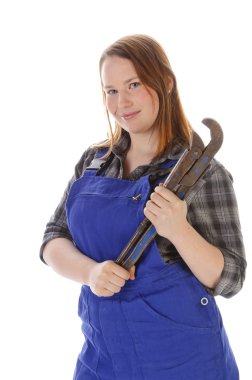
(62, 256)
(168, 214)
(205, 260)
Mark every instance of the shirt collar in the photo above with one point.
(173, 152)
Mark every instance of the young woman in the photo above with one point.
(159, 320)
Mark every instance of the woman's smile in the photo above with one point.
(130, 115)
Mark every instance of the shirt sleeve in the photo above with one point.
(213, 212)
(57, 226)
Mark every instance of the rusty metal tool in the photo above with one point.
(191, 166)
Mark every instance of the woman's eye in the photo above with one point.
(111, 92)
(134, 85)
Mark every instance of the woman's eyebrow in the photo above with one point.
(125, 82)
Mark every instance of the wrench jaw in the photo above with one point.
(186, 161)
(216, 135)
(200, 166)
(197, 142)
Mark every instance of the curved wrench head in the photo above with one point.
(216, 132)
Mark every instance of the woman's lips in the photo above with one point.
(130, 115)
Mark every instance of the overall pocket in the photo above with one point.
(184, 304)
(169, 341)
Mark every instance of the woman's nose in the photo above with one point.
(124, 100)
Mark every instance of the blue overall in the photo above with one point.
(163, 325)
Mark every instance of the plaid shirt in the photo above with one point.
(212, 211)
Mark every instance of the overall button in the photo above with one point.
(204, 301)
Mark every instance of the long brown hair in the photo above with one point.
(154, 70)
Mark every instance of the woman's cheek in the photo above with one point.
(111, 106)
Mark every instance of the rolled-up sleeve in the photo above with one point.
(213, 212)
(57, 226)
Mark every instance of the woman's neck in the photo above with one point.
(144, 145)
(141, 152)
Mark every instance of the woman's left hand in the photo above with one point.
(166, 212)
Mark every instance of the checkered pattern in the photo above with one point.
(212, 211)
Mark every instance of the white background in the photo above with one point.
(51, 110)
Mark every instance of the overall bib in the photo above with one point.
(161, 326)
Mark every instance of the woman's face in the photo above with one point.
(133, 105)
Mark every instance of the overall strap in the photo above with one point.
(168, 164)
(98, 163)
(164, 169)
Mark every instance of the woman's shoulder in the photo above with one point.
(217, 169)
(216, 179)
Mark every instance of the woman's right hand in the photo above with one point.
(107, 278)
